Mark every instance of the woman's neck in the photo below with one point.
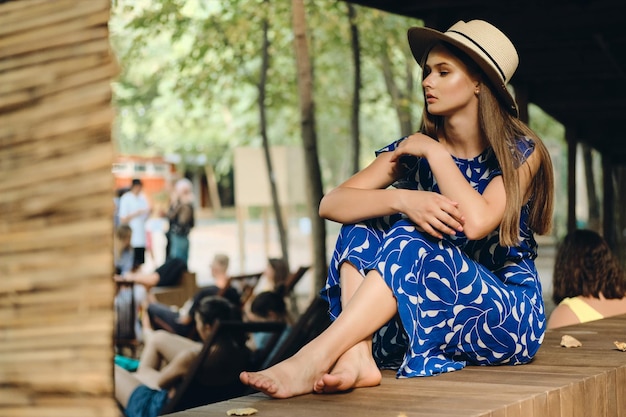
(462, 137)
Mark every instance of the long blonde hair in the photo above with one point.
(502, 130)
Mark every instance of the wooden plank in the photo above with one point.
(63, 166)
(86, 407)
(73, 194)
(57, 319)
(560, 382)
(88, 33)
(44, 223)
(43, 37)
(66, 297)
(87, 263)
(53, 147)
(578, 399)
(527, 408)
(41, 279)
(69, 294)
(62, 376)
(52, 77)
(610, 392)
(90, 339)
(566, 404)
(67, 105)
(513, 410)
(20, 62)
(20, 6)
(620, 392)
(10, 397)
(43, 14)
(541, 406)
(64, 235)
(92, 323)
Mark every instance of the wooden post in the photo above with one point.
(608, 207)
(571, 179)
(241, 223)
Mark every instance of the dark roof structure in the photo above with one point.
(572, 58)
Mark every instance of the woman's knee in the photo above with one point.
(347, 268)
(160, 336)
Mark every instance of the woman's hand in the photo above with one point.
(120, 278)
(434, 213)
(416, 144)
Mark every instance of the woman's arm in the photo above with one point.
(362, 196)
(482, 213)
(365, 196)
(176, 369)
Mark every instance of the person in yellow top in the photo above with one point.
(588, 282)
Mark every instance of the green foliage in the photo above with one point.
(190, 73)
(553, 135)
(190, 70)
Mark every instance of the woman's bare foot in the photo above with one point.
(293, 376)
(354, 369)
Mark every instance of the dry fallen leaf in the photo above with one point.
(570, 342)
(242, 411)
(620, 345)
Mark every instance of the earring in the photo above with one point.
(476, 91)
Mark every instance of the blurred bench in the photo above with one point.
(177, 295)
(245, 283)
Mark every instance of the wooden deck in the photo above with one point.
(589, 381)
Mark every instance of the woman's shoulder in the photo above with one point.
(524, 147)
(390, 147)
(607, 307)
(562, 315)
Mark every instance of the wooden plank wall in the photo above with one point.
(56, 189)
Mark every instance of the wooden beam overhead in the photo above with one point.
(572, 55)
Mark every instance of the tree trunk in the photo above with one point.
(284, 244)
(618, 236)
(402, 100)
(592, 194)
(356, 96)
(214, 196)
(309, 139)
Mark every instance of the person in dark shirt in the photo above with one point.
(181, 320)
(167, 357)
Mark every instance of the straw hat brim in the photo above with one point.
(421, 39)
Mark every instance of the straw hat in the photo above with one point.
(483, 42)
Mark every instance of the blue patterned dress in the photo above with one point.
(459, 301)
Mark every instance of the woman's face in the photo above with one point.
(204, 330)
(448, 86)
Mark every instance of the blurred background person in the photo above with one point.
(274, 276)
(167, 357)
(181, 320)
(265, 307)
(588, 282)
(181, 218)
(134, 210)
